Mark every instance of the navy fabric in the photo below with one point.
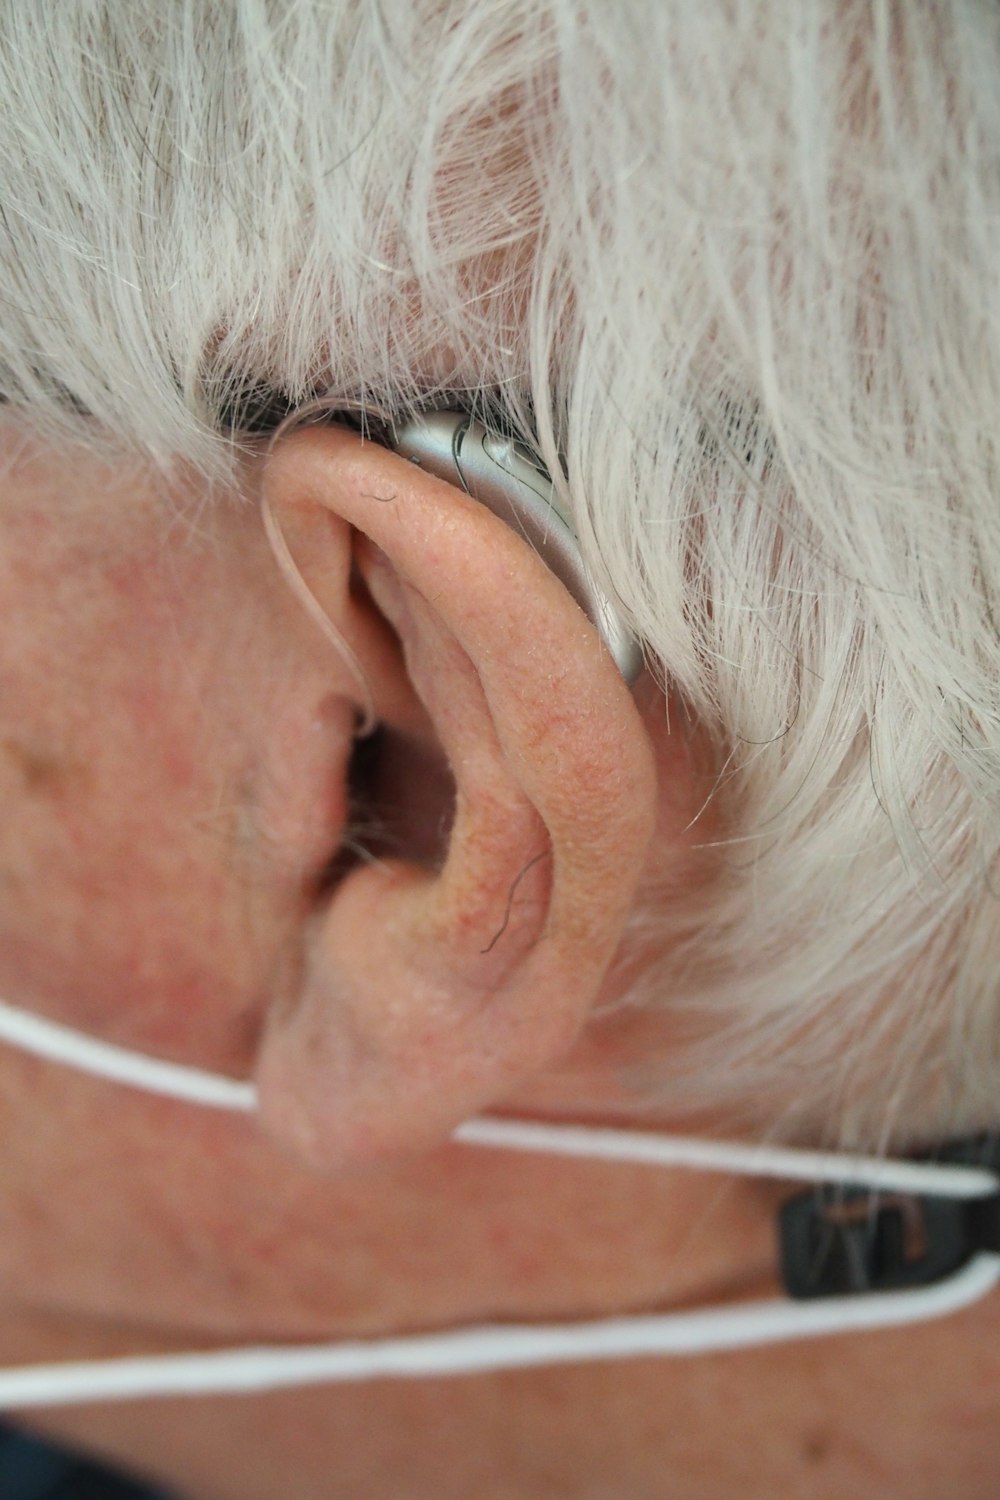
(31, 1470)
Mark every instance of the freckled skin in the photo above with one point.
(41, 771)
(162, 699)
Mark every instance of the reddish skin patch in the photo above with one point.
(137, 700)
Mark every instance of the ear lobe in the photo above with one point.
(427, 997)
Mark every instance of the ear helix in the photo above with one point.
(322, 409)
(499, 474)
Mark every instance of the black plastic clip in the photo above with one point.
(844, 1239)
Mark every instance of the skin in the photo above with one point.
(170, 722)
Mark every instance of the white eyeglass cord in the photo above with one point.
(507, 1346)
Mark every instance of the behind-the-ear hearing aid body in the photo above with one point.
(501, 474)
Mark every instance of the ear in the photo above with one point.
(429, 995)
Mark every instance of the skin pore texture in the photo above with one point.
(174, 744)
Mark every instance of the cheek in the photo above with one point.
(120, 913)
(134, 901)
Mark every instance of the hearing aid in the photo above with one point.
(502, 475)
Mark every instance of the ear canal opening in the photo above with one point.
(385, 823)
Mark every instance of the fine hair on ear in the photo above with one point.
(730, 269)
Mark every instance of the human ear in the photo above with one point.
(429, 995)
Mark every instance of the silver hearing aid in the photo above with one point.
(502, 475)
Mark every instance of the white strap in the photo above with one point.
(61, 1044)
(478, 1350)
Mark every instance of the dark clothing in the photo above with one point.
(31, 1470)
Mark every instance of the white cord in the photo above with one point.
(790, 1163)
(292, 575)
(61, 1044)
(478, 1350)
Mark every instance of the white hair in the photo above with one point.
(731, 266)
